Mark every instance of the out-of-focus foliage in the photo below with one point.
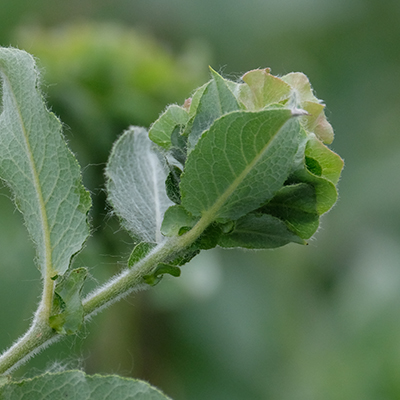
(315, 322)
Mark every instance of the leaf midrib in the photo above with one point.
(36, 183)
(212, 212)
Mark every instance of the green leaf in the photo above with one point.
(136, 174)
(325, 190)
(160, 132)
(330, 163)
(216, 99)
(77, 385)
(296, 205)
(176, 218)
(239, 163)
(262, 89)
(179, 145)
(162, 268)
(259, 231)
(172, 184)
(37, 165)
(67, 312)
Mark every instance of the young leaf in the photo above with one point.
(262, 89)
(160, 132)
(239, 163)
(67, 315)
(258, 231)
(39, 168)
(303, 97)
(79, 386)
(176, 218)
(136, 177)
(140, 251)
(325, 190)
(162, 269)
(216, 99)
(330, 163)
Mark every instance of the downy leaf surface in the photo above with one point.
(77, 385)
(37, 165)
(136, 175)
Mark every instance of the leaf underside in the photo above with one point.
(136, 177)
(77, 385)
(37, 165)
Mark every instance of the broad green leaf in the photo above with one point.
(239, 163)
(136, 175)
(216, 99)
(262, 89)
(160, 132)
(37, 165)
(259, 231)
(67, 312)
(296, 205)
(76, 385)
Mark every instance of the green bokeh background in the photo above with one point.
(315, 322)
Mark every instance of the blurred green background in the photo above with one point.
(314, 322)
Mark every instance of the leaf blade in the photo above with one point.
(77, 385)
(136, 185)
(39, 168)
(258, 231)
(239, 163)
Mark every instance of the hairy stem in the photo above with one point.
(40, 335)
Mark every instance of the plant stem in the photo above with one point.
(40, 335)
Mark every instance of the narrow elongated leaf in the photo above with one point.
(77, 385)
(239, 163)
(38, 166)
(136, 177)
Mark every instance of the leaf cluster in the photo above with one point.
(250, 157)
